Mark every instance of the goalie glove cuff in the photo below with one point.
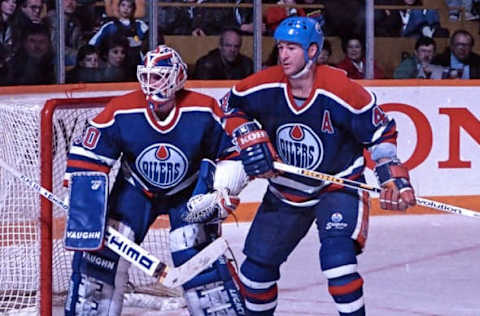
(211, 207)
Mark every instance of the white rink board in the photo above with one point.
(427, 101)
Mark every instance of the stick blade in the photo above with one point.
(177, 276)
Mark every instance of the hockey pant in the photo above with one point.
(342, 222)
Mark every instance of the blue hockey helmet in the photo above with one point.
(301, 30)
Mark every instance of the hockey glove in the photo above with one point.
(256, 150)
(211, 207)
(397, 192)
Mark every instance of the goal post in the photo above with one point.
(35, 140)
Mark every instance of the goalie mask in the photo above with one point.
(162, 73)
(304, 32)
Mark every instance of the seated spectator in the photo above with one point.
(87, 66)
(114, 55)
(274, 15)
(354, 61)
(27, 16)
(325, 53)
(134, 30)
(225, 62)
(73, 31)
(456, 6)
(419, 65)
(211, 21)
(3, 66)
(244, 18)
(7, 9)
(272, 58)
(418, 22)
(344, 17)
(314, 13)
(459, 58)
(33, 63)
(176, 20)
(111, 8)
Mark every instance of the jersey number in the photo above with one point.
(92, 135)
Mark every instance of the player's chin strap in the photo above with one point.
(305, 69)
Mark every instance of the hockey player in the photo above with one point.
(165, 137)
(313, 117)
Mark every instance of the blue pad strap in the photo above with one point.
(88, 210)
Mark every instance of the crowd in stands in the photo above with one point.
(105, 43)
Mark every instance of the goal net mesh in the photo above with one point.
(27, 146)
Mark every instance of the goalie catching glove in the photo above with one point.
(211, 207)
(256, 150)
(397, 192)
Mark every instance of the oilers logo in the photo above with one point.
(299, 146)
(162, 165)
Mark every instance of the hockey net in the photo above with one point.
(34, 267)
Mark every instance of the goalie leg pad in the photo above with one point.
(339, 265)
(98, 282)
(85, 226)
(217, 294)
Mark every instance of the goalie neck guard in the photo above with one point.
(162, 73)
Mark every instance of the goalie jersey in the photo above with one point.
(160, 157)
(327, 132)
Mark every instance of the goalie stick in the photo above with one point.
(365, 187)
(167, 275)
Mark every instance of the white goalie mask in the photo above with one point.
(162, 74)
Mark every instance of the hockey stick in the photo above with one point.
(365, 187)
(167, 275)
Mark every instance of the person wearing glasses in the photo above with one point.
(461, 62)
(27, 16)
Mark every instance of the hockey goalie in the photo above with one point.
(167, 139)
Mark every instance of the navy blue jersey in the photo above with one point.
(160, 157)
(327, 133)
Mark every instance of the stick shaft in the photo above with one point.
(365, 187)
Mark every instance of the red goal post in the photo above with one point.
(35, 269)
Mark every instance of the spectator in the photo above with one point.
(272, 58)
(33, 63)
(419, 65)
(3, 66)
(26, 17)
(73, 31)
(86, 13)
(134, 30)
(354, 62)
(244, 17)
(7, 9)
(225, 62)
(459, 58)
(176, 20)
(344, 17)
(111, 8)
(417, 22)
(455, 6)
(315, 13)
(211, 21)
(114, 55)
(325, 53)
(274, 15)
(87, 66)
